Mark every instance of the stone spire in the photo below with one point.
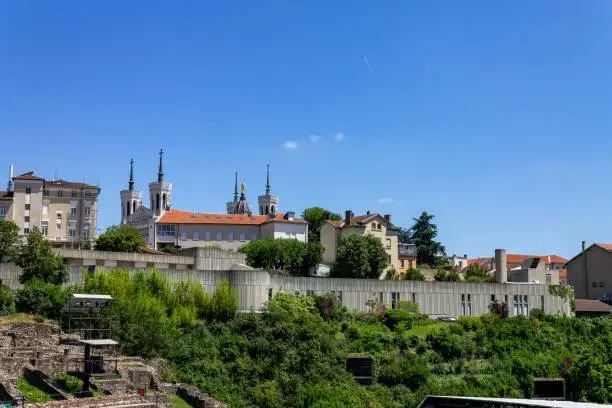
(160, 172)
(131, 183)
(236, 189)
(268, 181)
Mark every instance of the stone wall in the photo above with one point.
(198, 399)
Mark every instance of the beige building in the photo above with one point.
(371, 223)
(590, 272)
(64, 211)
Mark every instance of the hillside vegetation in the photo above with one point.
(294, 355)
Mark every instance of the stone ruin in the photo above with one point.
(40, 351)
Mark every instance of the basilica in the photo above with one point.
(161, 225)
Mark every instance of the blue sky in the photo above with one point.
(493, 116)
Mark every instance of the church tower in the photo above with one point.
(242, 206)
(130, 199)
(267, 203)
(160, 192)
(231, 205)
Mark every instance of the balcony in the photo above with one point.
(406, 250)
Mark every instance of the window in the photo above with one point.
(58, 215)
(338, 295)
(219, 235)
(44, 228)
(242, 236)
(2, 211)
(395, 298)
(86, 231)
(270, 293)
(165, 230)
(388, 242)
(414, 298)
(310, 293)
(389, 259)
(45, 209)
(73, 193)
(521, 305)
(381, 298)
(26, 218)
(230, 236)
(602, 285)
(466, 304)
(27, 206)
(60, 193)
(542, 302)
(26, 231)
(46, 193)
(73, 210)
(183, 236)
(493, 298)
(401, 263)
(196, 236)
(87, 211)
(594, 284)
(548, 278)
(28, 190)
(72, 231)
(208, 235)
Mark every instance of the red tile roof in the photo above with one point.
(68, 184)
(186, 217)
(28, 176)
(605, 246)
(519, 259)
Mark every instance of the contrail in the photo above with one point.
(365, 59)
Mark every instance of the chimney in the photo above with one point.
(388, 218)
(501, 266)
(348, 217)
(327, 216)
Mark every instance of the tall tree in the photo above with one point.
(289, 255)
(360, 256)
(38, 261)
(423, 235)
(122, 238)
(8, 240)
(315, 217)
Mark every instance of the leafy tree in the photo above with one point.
(414, 275)
(38, 260)
(170, 249)
(288, 255)
(477, 273)
(315, 216)
(360, 256)
(120, 238)
(404, 236)
(423, 234)
(7, 301)
(8, 240)
(444, 275)
(40, 298)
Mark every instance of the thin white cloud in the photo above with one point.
(17, 100)
(315, 138)
(290, 145)
(389, 200)
(367, 62)
(338, 137)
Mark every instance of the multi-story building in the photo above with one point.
(161, 225)
(374, 224)
(64, 211)
(589, 272)
(406, 257)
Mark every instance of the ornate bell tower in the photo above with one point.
(130, 199)
(160, 192)
(268, 204)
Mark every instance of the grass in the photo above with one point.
(424, 330)
(178, 402)
(31, 393)
(17, 318)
